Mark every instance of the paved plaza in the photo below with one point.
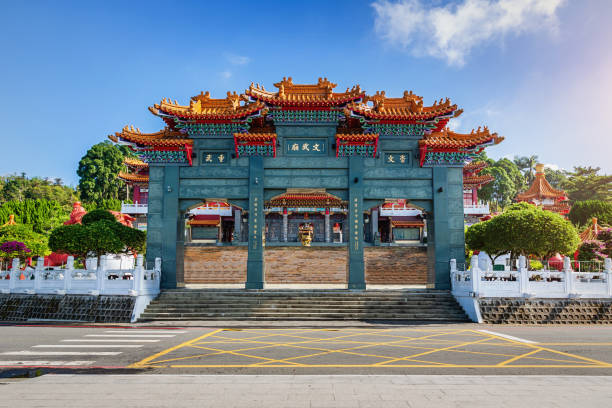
(295, 391)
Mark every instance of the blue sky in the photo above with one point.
(538, 72)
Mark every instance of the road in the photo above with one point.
(231, 348)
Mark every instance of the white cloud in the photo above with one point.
(552, 166)
(451, 31)
(226, 74)
(237, 59)
(454, 124)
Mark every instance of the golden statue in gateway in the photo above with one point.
(305, 233)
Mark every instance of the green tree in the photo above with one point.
(556, 178)
(36, 242)
(501, 190)
(526, 164)
(524, 229)
(100, 233)
(98, 171)
(40, 214)
(584, 183)
(582, 212)
(513, 173)
(19, 188)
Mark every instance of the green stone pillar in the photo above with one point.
(356, 278)
(255, 262)
(448, 231)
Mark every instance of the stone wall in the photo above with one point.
(396, 265)
(85, 308)
(306, 265)
(210, 264)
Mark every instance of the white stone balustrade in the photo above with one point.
(95, 280)
(523, 283)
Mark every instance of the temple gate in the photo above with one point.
(304, 163)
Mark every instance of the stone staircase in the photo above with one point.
(210, 304)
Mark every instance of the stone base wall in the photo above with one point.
(85, 308)
(209, 264)
(396, 265)
(545, 311)
(309, 265)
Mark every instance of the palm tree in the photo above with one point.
(527, 166)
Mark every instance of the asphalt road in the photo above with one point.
(290, 348)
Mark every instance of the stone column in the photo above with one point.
(374, 224)
(255, 262)
(447, 240)
(237, 224)
(327, 226)
(355, 219)
(285, 225)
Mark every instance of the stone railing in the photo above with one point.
(98, 280)
(524, 283)
(476, 209)
(134, 208)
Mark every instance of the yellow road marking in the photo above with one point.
(503, 363)
(142, 363)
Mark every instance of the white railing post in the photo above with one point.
(569, 278)
(14, 274)
(475, 275)
(157, 269)
(40, 266)
(608, 269)
(139, 274)
(523, 275)
(453, 272)
(68, 273)
(101, 274)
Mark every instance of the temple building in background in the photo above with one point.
(303, 185)
(473, 208)
(543, 195)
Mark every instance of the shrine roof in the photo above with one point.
(305, 198)
(255, 137)
(370, 137)
(135, 163)
(541, 188)
(203, 107)
(410, 221)
(408, 107)
(447, 139)
(474, 181)
(205, 220)
(591, 232)
(134, 178)
(165, 137)
(320, 94)
(560, 208)
(475, 166)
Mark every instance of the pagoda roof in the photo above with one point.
(164, 138)
(410, 221)
(541, 188)
(205, 220)
(591, 232)
(135, 163)
(477, 181)
(447, 139)
(203, 107)
(305, 198)
(408, 107)
(289, 94)
(475, 166)
(133, 178)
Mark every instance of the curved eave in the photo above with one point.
(306, 102)
(185, 114)
(133, 178)
(399, 116)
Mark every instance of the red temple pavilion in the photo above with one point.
(542, 194)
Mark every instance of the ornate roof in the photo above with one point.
(296, 197)
(289, 94)
(134, 178)
(474, 167)
(135, 163)
(591, 232)
(447, 139)
(357, 138)
(163, 138)
(477, 181)
(205, 220)
(560, 208)
(411, 221)
(203, 107)
(541, 188)
(408, 107)
(255, 137)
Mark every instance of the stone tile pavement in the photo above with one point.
(312, 391)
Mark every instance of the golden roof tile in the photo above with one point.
(165, 137)
(134, 178)
(320, 94)
(447, 139)
(541, 188)
(203, 107)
